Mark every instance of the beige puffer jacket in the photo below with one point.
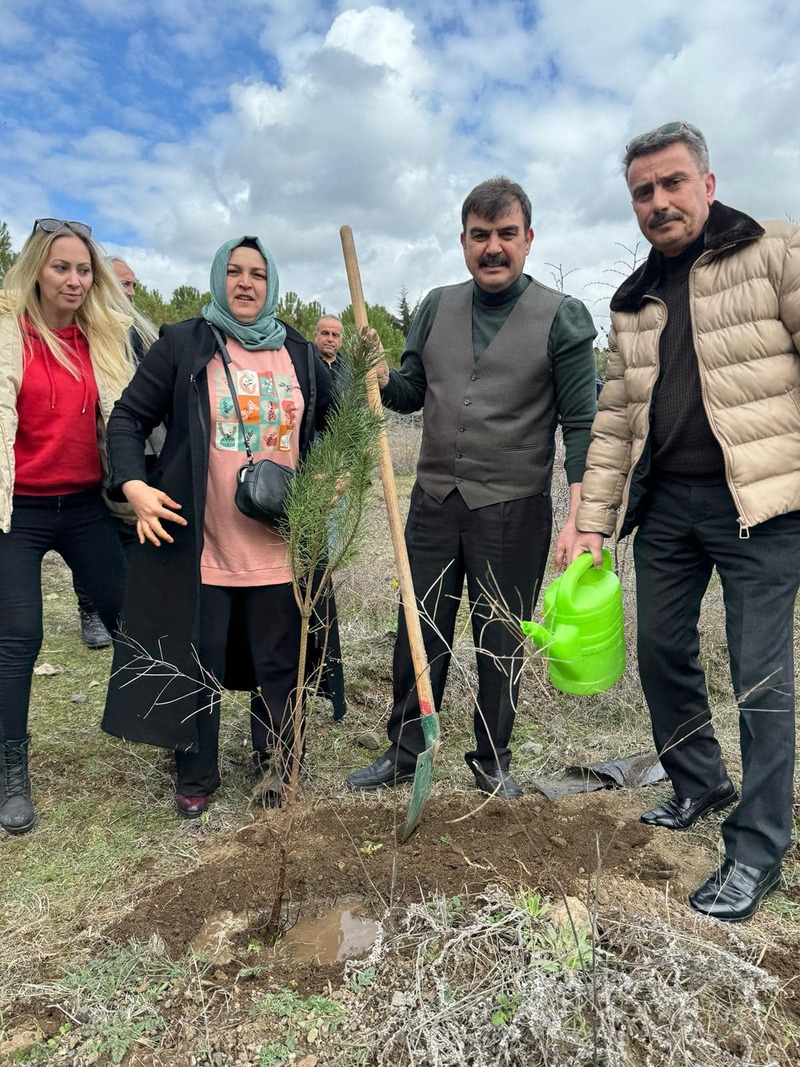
(10, 382)
(745, 307)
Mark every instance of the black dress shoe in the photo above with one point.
(679, 813)
(380, 774)
(734, 891)
(497, 782)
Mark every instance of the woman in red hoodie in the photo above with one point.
(65, 356)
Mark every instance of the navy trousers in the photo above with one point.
(686, 532)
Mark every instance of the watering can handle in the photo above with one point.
(574, 572)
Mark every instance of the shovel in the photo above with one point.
(423, 775)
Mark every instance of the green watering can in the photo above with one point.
(583, 636)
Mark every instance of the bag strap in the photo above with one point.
(226, 359)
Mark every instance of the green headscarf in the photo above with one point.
(264, 331)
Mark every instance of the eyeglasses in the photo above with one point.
(666, 130)
(51, 225)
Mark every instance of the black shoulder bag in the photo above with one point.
(262, 488)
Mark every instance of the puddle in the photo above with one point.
(340, 934)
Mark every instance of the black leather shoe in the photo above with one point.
(679, 813)
(380, 774)
(734, 891)
(191, 807)
(497, 782)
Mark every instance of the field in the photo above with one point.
(530, 933)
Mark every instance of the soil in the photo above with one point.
(589, 846)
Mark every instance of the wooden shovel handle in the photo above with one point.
(410, 610)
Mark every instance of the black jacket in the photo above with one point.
(154, 691)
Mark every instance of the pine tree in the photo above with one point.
(7, 254)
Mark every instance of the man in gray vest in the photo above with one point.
(495, 363)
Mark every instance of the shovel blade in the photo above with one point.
(423, 775)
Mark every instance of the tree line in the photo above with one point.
(187, 302)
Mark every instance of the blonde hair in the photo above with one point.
(105, 317)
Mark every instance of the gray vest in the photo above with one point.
(489, 425)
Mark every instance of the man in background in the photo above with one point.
(328, 339)
(93, 632)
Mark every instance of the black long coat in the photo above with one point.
(156, 684)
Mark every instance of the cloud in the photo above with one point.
(176, 126)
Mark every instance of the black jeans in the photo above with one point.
(78, 526)
(128, 539)
(502, 551)
(272, 621)
(686, 532)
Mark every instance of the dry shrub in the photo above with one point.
(502, 982)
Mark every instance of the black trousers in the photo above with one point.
(78, 526)
(502, 549)
(685, 533)
(272, 623)
(128, 539)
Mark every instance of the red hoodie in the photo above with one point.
(55, 449)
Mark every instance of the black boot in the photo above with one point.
(93, 632)
(16, 811)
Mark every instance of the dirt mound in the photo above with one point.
(589, 846)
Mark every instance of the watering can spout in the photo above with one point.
(562, 644)
(539, 634)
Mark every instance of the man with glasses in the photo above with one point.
(697, 443)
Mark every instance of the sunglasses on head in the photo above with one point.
(51, 225)
(660, 131)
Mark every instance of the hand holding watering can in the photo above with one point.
(583, 636)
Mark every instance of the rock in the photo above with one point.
(565, 914)
(78, 698)
(534, 747)
(46, 670)
(369, 739)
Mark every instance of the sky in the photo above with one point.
(171, 126)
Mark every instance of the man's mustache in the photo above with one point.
(497, 259)
(658, 218)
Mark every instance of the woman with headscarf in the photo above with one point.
(65, 356)
(210, 601)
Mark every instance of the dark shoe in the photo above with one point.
(17, 814)
(734, 891)
(680, 813)
(497, 782)
(94, 634)
(269, 788)
(382, 773)
(191, 807)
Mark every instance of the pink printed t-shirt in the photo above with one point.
(238, 551)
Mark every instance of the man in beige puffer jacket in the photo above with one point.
(697, 443)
